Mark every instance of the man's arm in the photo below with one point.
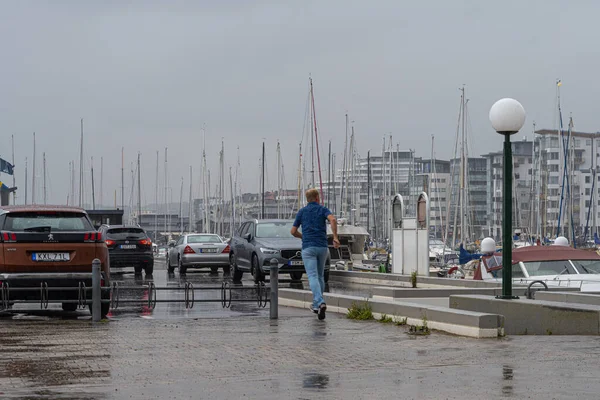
(333, 223)
(296, 233)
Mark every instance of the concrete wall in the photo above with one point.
(535, 317)
(375, 278)
(458, 322)
(401, 293)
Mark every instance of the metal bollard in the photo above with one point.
(96, 296)
(274, 277)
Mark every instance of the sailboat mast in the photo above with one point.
(139, 189)
(205, 207)
(312, 141)
(81, 167)
(14, 184)
(190, 208)
(166, 194)
(278, 180)
(232, 219)
(300, 176)
(263, 182)
(93, 191)
(342, 183)
(462, 170)
(156, 201)
(329, 177)
(181, 208)
(33, 174)
(101, 179)
(314, 117)
(26, 180)
(44, 177)
(368, 189)
(122, 178)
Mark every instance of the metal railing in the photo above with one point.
(189, 290)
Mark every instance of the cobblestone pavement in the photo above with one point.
(298, 357)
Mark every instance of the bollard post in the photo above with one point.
(96, 297)
(274, 280)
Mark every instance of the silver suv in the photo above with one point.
(256, 242)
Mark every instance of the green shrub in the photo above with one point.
(413, 279)
(360, 311)
(385, 319)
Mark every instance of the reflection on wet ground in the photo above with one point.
(201, 308)
(177, 353)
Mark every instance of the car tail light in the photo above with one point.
(188, 250)
(92, 237)
(9, 237)
(145, 242)
(226, 249)
(109, 242)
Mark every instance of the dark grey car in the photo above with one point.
(256, 242)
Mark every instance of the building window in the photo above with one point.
(587, 179)
(554, 155)
(553, 167)
(529, 171)
(588, 142)
(587, 204)
(553, 180)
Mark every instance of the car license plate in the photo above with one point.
(128, 246)
(50, 257)
(208, 250)
(295, 262)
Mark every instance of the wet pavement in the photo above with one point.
(210, 352)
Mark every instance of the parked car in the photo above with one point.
(256, 242)
(129, 246)
(54, 245)
(198, 250)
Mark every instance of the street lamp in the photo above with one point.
(507, 117)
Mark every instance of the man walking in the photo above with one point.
(312, 219)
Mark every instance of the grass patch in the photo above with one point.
(413, 279)
(402, 322)
(422, 330)
(385, 319)
(360, 311)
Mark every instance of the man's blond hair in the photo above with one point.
(312, 195)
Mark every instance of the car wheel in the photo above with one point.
(237, 274)
(69, 306)
(258, 275)
(296, 276)
(214, 270)
(149, 270)
(227, 270)
(326, 275)
(137, 270)
(182, 268)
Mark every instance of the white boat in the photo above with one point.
(351, 253)
(556, 266)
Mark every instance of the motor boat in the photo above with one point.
(556, 266)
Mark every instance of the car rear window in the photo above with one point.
(204, 239)
(50, 221)
(126, 233)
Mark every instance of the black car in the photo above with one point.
(257, 242)
(129, 246)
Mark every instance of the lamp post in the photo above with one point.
(507, 117)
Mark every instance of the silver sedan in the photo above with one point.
(198, 250)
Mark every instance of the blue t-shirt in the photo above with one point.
(312, 218)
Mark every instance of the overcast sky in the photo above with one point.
(146, 75)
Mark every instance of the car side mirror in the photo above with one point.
(248, 236)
